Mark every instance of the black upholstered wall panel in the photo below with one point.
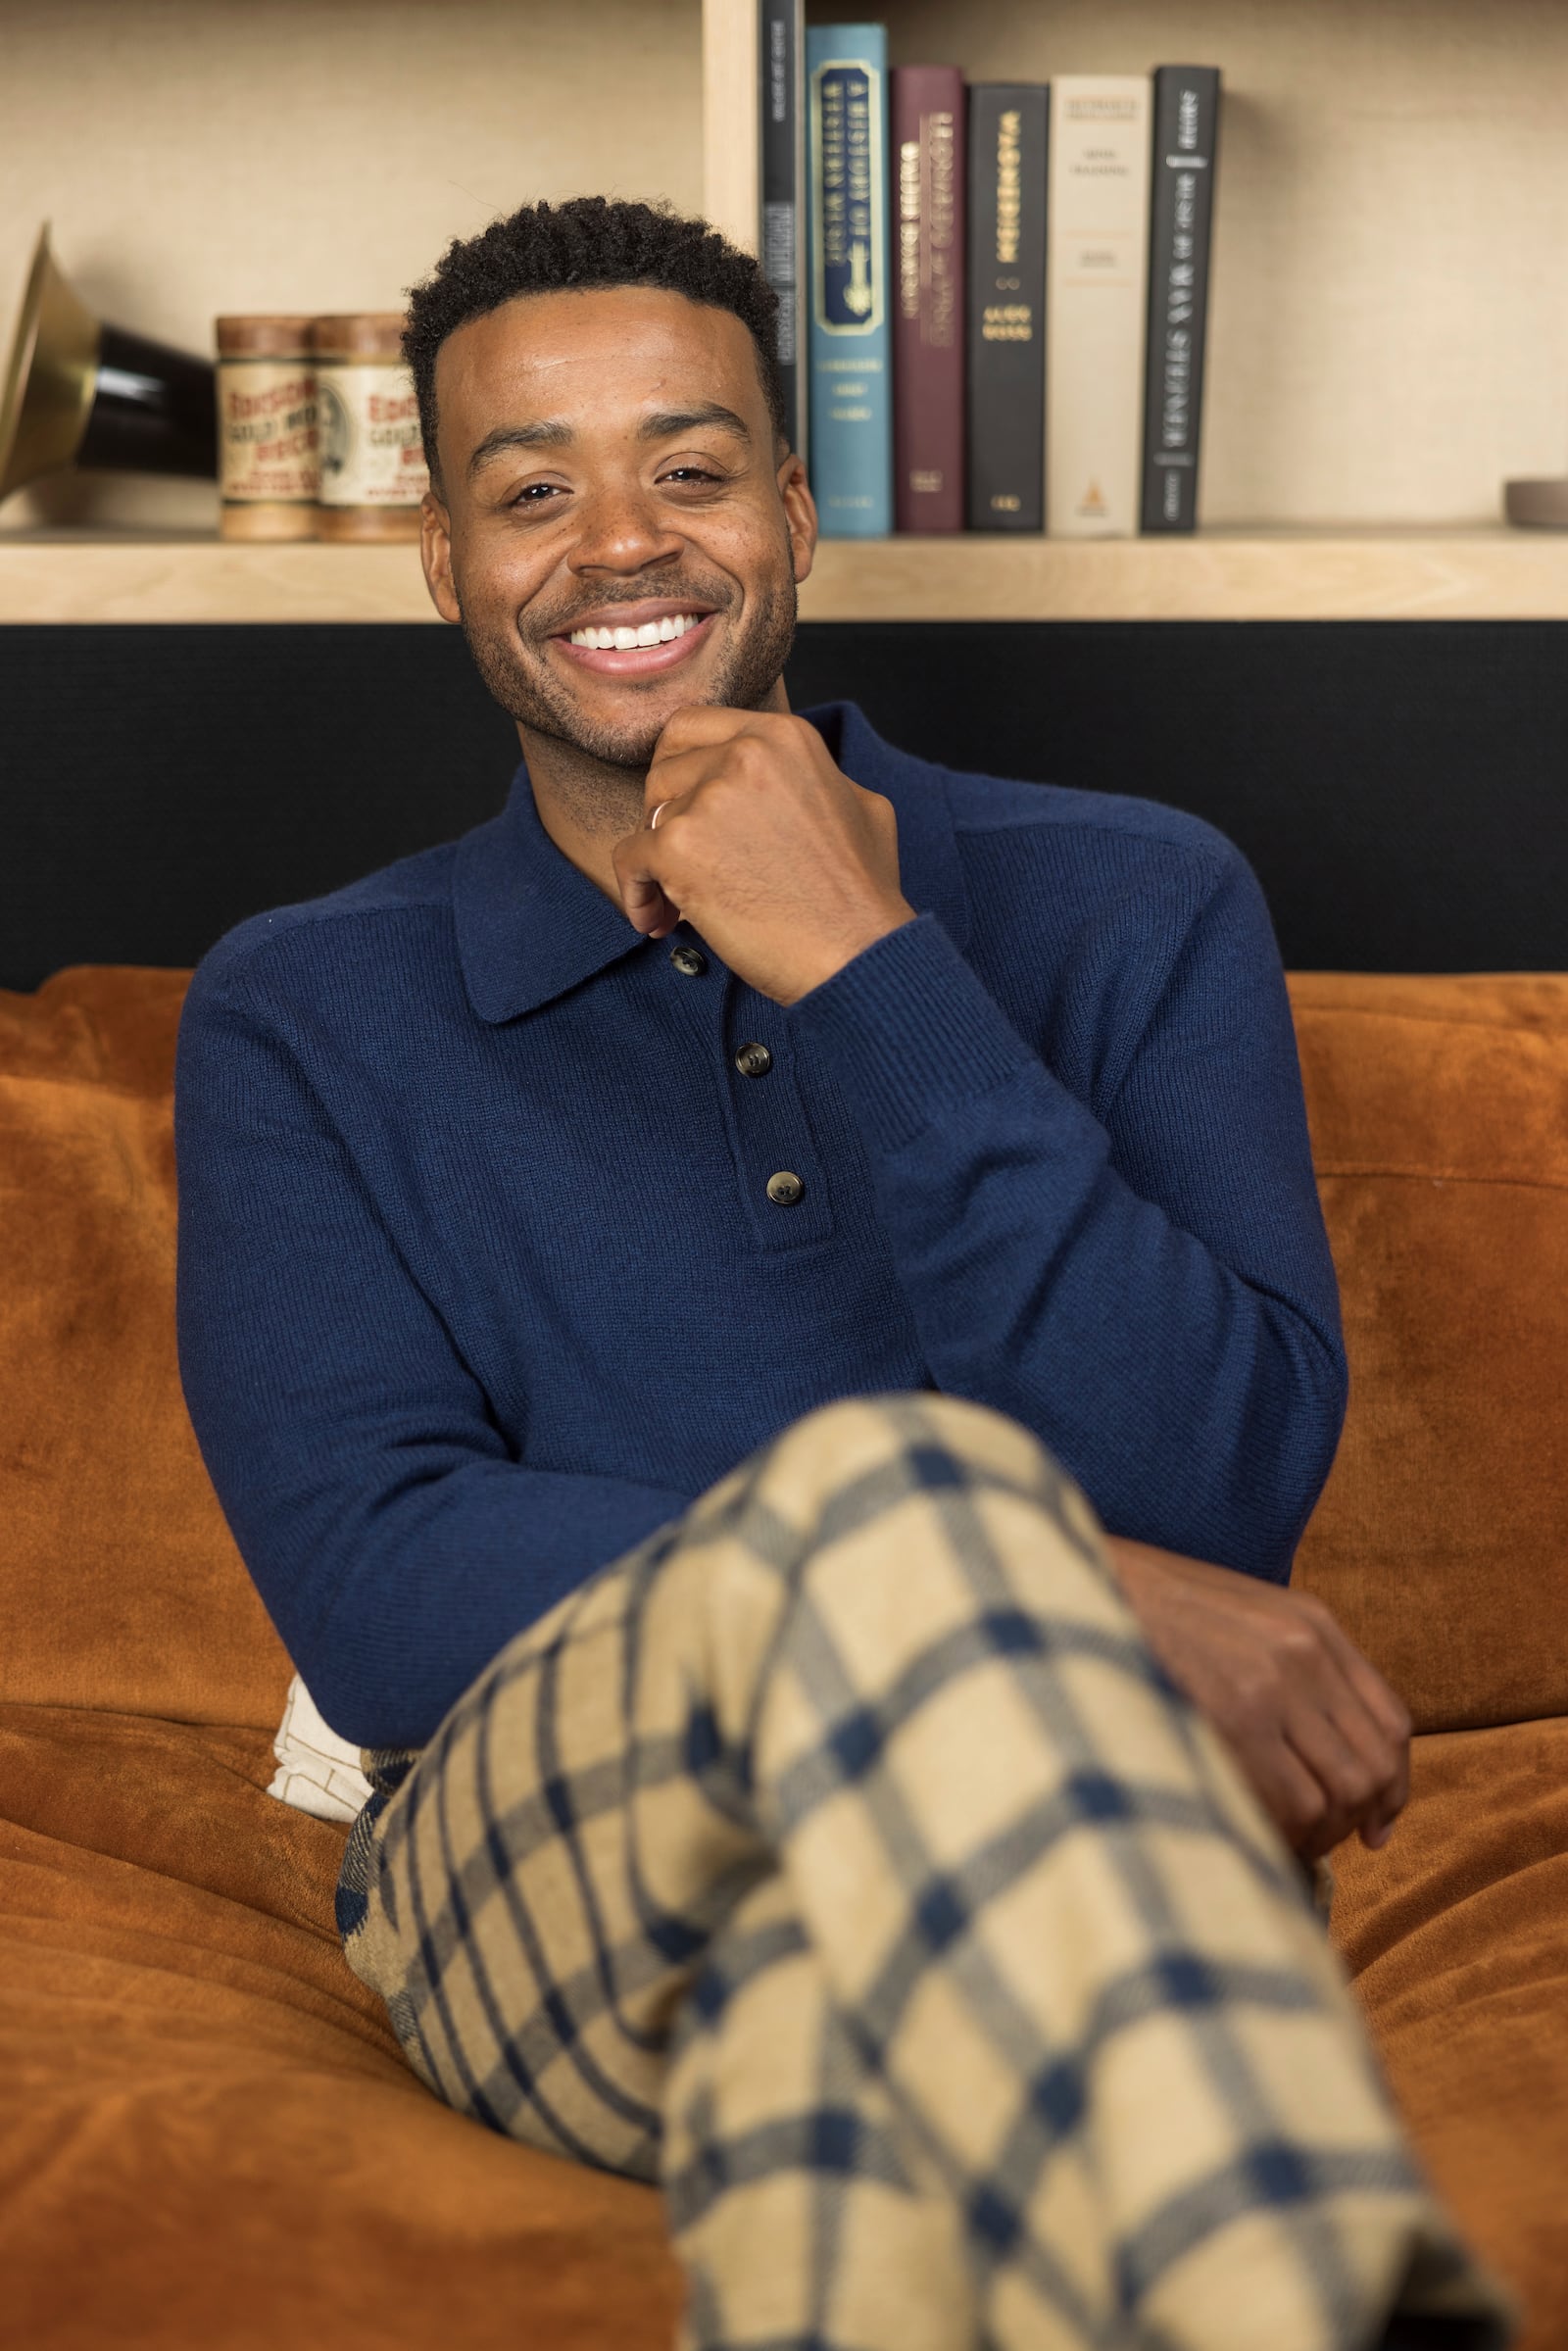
(1402, 789)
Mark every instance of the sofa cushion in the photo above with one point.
(208, 2135)
(1455, 1936)
(1439, 1110)
(122, 1587)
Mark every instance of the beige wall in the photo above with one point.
(205, 155)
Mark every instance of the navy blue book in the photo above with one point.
(846, 227)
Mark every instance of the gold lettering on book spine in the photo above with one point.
(909, 228)
(1009, 186)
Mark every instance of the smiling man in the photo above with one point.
(762, 1325)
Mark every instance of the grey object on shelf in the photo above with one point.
(1540, 504)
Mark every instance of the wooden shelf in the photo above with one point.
(1479, 574)
(52, 577)
(1399, 575)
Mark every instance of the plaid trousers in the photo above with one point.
(842, 1859)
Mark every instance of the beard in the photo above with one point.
(517, 673)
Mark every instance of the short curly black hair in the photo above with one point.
(588, 241)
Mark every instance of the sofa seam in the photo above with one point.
(1437, 1175)
(1431, 1020)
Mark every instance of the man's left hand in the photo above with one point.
(786, 868)
(1318, 1732)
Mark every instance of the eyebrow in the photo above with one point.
(669, 421)
(554, 432)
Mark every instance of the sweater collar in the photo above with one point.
(530, 926)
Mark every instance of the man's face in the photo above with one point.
(607, 464)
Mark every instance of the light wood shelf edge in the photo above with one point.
(1483, 574)
(1416, 575)
(199, 579)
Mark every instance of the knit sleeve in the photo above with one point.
(1148, 1288)
(395, 1541)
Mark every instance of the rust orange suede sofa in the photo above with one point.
(208, 2138)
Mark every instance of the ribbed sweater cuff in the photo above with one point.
(909, 1033)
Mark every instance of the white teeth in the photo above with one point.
(625, 640)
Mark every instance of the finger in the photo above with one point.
(658, 815)
(677, 774)
(1289, 1793)
(644, 900)
(1348, 1758)
(697, 726)
(648, 910)
(1377, 1830)
(1383, 1702)
(1377, 1704)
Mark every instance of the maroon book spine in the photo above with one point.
(928, 198)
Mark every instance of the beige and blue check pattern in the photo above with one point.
(842, 1859)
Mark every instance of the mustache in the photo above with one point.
(713, 597)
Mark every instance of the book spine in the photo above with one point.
(928, 181)
(1181, 226)
(1009, 138)
(781, 53)
(851, 394)
(1096, 294)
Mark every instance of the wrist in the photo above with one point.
(1137, 1566)
(827, 959)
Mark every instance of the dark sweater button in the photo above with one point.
(754, 1060)
(688, 960)
(785, 1189)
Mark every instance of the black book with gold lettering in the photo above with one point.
(1008, 128)
(1186, 129)
(782, 225)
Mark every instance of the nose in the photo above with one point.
(620, 531)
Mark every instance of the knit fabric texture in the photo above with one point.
(481, 1279)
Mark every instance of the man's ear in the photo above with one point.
(435, 554)
(800, 515)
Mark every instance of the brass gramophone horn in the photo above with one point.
(78, 391)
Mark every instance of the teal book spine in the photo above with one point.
(848, 336)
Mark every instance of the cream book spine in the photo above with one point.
(1096, 295)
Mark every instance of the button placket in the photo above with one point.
(770, 1140)
(785, 1185)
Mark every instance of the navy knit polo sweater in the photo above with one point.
(484, 1272)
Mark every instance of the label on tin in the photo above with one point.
(267, 431)
(371, 454)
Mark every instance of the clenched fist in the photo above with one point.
(786, 868)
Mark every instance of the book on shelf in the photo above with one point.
(1096, 280)
(928, 206)
(993, 297)
(1186, 108)
(781, 53)
(851, 412)
(1009, 138)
